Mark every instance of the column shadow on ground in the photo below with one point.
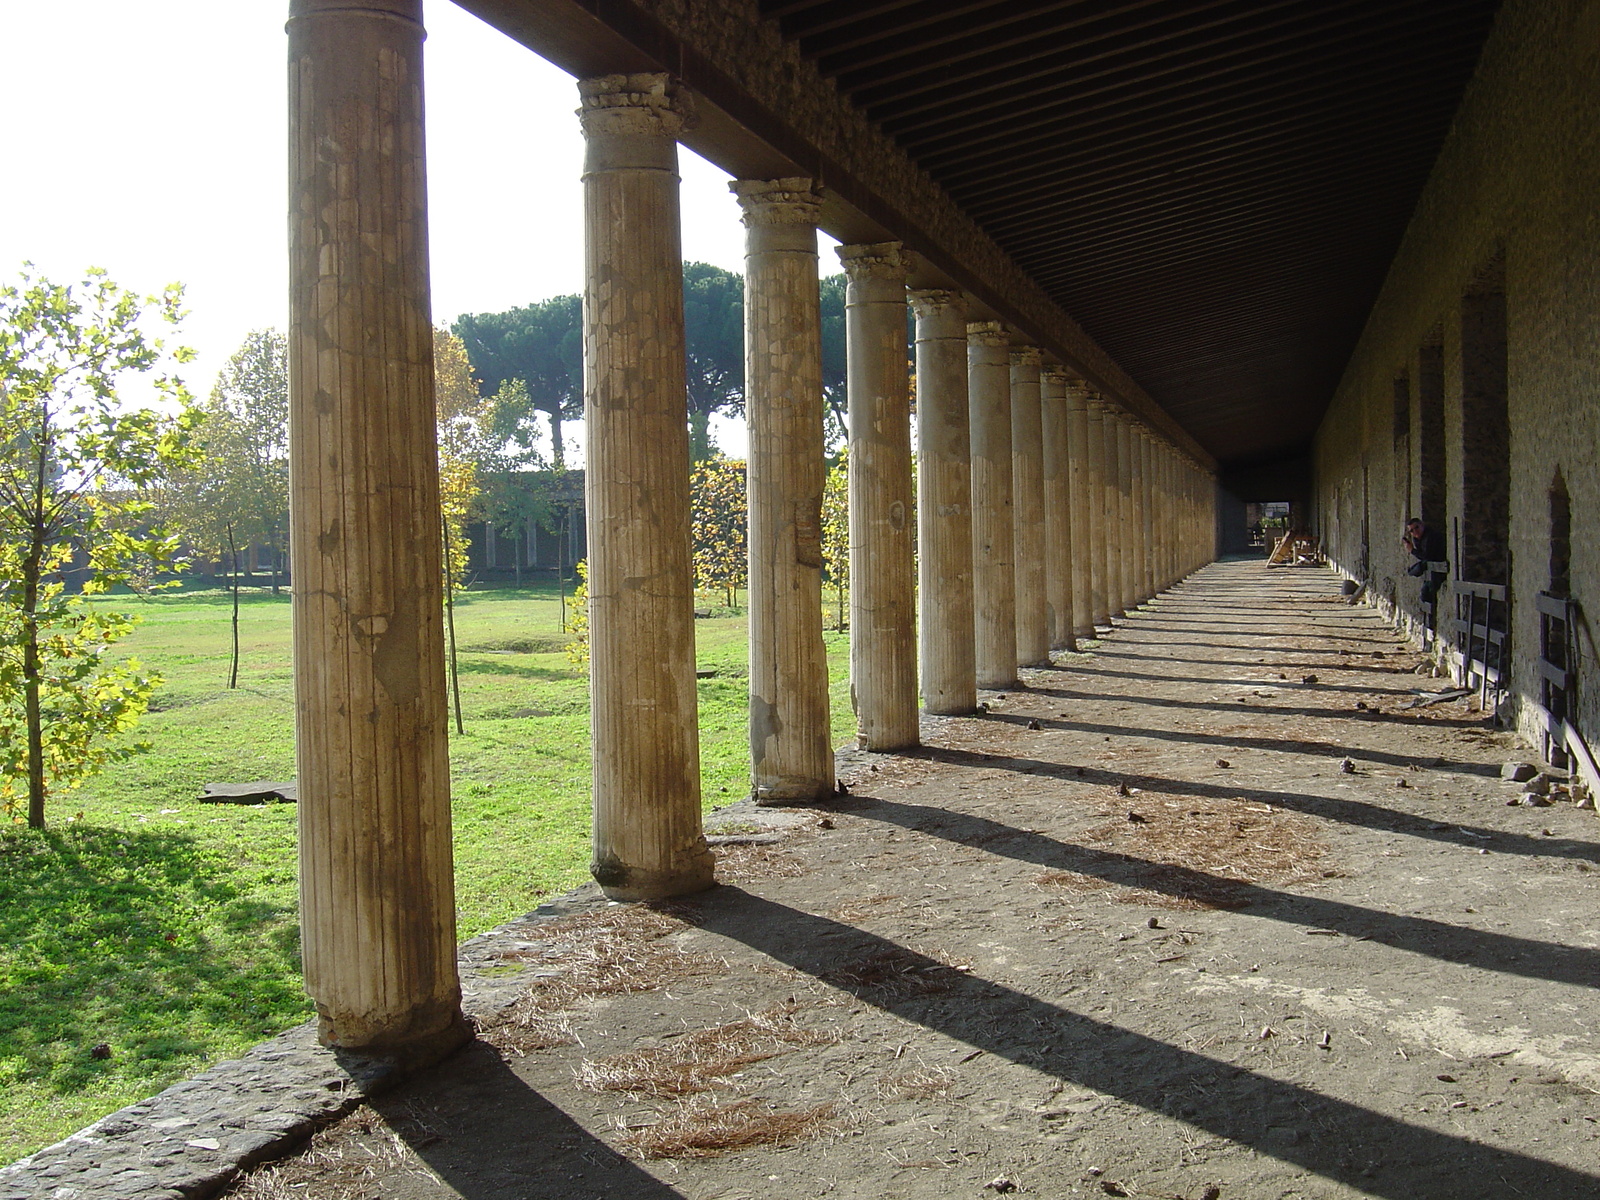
(1481, 949)
(1161, 653)
(1072, 668)
(1376, 1154)
(1233, 742)
(1331, 808)
(1236, 706)
(507, 1142)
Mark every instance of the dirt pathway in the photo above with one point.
(1203, 912)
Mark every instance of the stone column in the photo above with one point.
(789, 722)
(883, 630)
(994, 585)
(1142, 501)
(1095, 504)
(376, 880)
(944, 505)
(1079, 467)
(1028, 521)
(643, 705)
(1058, 511)
(1126, 600)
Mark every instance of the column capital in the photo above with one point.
(404, 10)
(1026, 356)
(646, 104)
(987, 333)
(772, 202)
(933, 302)
(876, 260)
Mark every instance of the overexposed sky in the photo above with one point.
(149, 139)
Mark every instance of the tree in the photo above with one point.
(835, 392)
(713, 326)
(247, 443)
(460, 421)
(836, 533)
(719, 515)
(77, 469)
(541, 347)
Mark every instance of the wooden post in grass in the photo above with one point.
(648, 842)
(376, 880)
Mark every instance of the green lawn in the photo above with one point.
(167, 930)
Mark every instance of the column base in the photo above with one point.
(792, 791)
(431, 1035)
(887, 745)
(622, 882)
(999, 685)
(965, 709)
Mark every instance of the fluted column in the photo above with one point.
(1164, 514)
(1029, 548)
(944, 505)
(1095, 503)
(1142, 506)
(994, 584)
(1057, 506)
(883, 630)
(1126, 600)
(1079, 468)
(643, 706)
(376, 880)
(789, 719)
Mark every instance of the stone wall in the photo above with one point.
(1506, 236)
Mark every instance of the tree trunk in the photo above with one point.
(558, 453)
(31, 684)
(450, 625)
(233, 668)
(699, 435)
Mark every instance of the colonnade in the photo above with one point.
(1042, 510)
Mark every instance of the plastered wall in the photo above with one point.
(1516, 189)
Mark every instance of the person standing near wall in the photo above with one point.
(1426, 546)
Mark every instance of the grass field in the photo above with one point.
(166, 930)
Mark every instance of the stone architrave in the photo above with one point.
(1057, 506)
(1095, 502)
(1080, 467)
(1029, 537)
(648, 841)
(994, 585)
(883, 628)
(944, 505)
(791, 751)
(376, 878)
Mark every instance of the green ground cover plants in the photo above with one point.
(165, 931)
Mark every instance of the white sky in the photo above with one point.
(149, 139)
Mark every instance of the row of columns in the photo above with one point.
(1041, 511)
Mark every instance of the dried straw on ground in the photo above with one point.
(702, 1058)
(607, 953)
(698, 1130)
(1195, 854)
